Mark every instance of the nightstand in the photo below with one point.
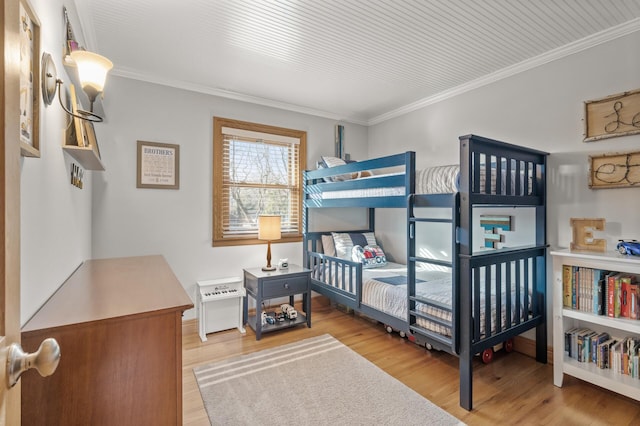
(261, 285)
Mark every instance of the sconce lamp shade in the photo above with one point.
(92, 71)
(269, 228)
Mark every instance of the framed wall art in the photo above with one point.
(158, 165)
(615, 115)
(620, 170)
(29, 81)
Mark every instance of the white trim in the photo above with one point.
(559, 53)
(178, 84)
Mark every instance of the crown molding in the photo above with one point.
(553, 55)
(178, 84)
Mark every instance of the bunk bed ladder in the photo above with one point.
(437, 340)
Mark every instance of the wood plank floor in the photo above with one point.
(514, 389)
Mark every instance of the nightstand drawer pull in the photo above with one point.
(286, 285)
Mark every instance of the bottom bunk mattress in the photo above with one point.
(385, 289)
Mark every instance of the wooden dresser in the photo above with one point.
(119, 326)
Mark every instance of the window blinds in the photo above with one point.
(261, 175)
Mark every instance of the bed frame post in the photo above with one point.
(464, 339)
(305, 222)
(541, 263)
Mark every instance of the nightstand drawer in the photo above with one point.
(284, 286)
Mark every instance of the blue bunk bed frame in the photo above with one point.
(529, 262)
(314, 183)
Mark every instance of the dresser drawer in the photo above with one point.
(284, 286)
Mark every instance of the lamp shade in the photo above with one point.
(92, 70)
(269, 227)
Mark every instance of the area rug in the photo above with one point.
(316, 381)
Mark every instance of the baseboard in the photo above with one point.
(528, 347)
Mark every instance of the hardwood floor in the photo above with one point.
(514, 389)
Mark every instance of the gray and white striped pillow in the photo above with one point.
(344, 242)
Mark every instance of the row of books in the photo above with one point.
(600, 292)
(621, 355)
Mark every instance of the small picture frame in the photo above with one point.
(29, 81)
(90, 134)
(158, 165)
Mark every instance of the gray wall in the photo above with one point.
(542, 108)
(178, 223)
(55, 216)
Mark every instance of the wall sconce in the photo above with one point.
(269, 230)
(92, 72)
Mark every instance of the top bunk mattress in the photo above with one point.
(431, 180)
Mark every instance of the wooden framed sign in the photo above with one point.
(29, 81)
(614, 170)
(615, 115)
(158, 165)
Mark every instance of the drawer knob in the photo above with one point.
(286, 285)
(45, 360)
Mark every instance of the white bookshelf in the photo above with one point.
(566, 318)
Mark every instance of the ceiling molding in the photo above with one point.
(135, 75)
(553, 55)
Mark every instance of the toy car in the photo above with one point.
(629, 247)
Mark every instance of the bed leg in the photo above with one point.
(541, 343)
(466, 377)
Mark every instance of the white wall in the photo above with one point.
(541, 108)
(178, 223)
(55, 216)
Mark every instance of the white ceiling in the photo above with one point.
(361, 61)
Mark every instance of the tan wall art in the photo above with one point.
(615, 115)
(614, 170)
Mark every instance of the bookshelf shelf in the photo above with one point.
(566, 318)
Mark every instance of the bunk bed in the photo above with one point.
(466, 304)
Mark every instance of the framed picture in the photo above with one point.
(90, 134)
(158, 165)
(615, 115)
(29, 81)
(620, 170)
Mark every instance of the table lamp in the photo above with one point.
(269, 230)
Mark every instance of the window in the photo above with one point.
(257, 169)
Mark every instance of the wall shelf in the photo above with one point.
(85, 156)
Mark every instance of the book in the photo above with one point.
(596, 276)
(613, 294)
(574, 290)
(566, 286)
(633, 300)
(595, 342)
(625, 295)
(585, 346)
(603, 353)
(617, 296)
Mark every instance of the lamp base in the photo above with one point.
(268, 268)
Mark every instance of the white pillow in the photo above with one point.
(329, 162)
(328, 247)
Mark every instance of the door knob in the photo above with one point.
(45, 360)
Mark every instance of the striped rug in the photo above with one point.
(316, 381)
